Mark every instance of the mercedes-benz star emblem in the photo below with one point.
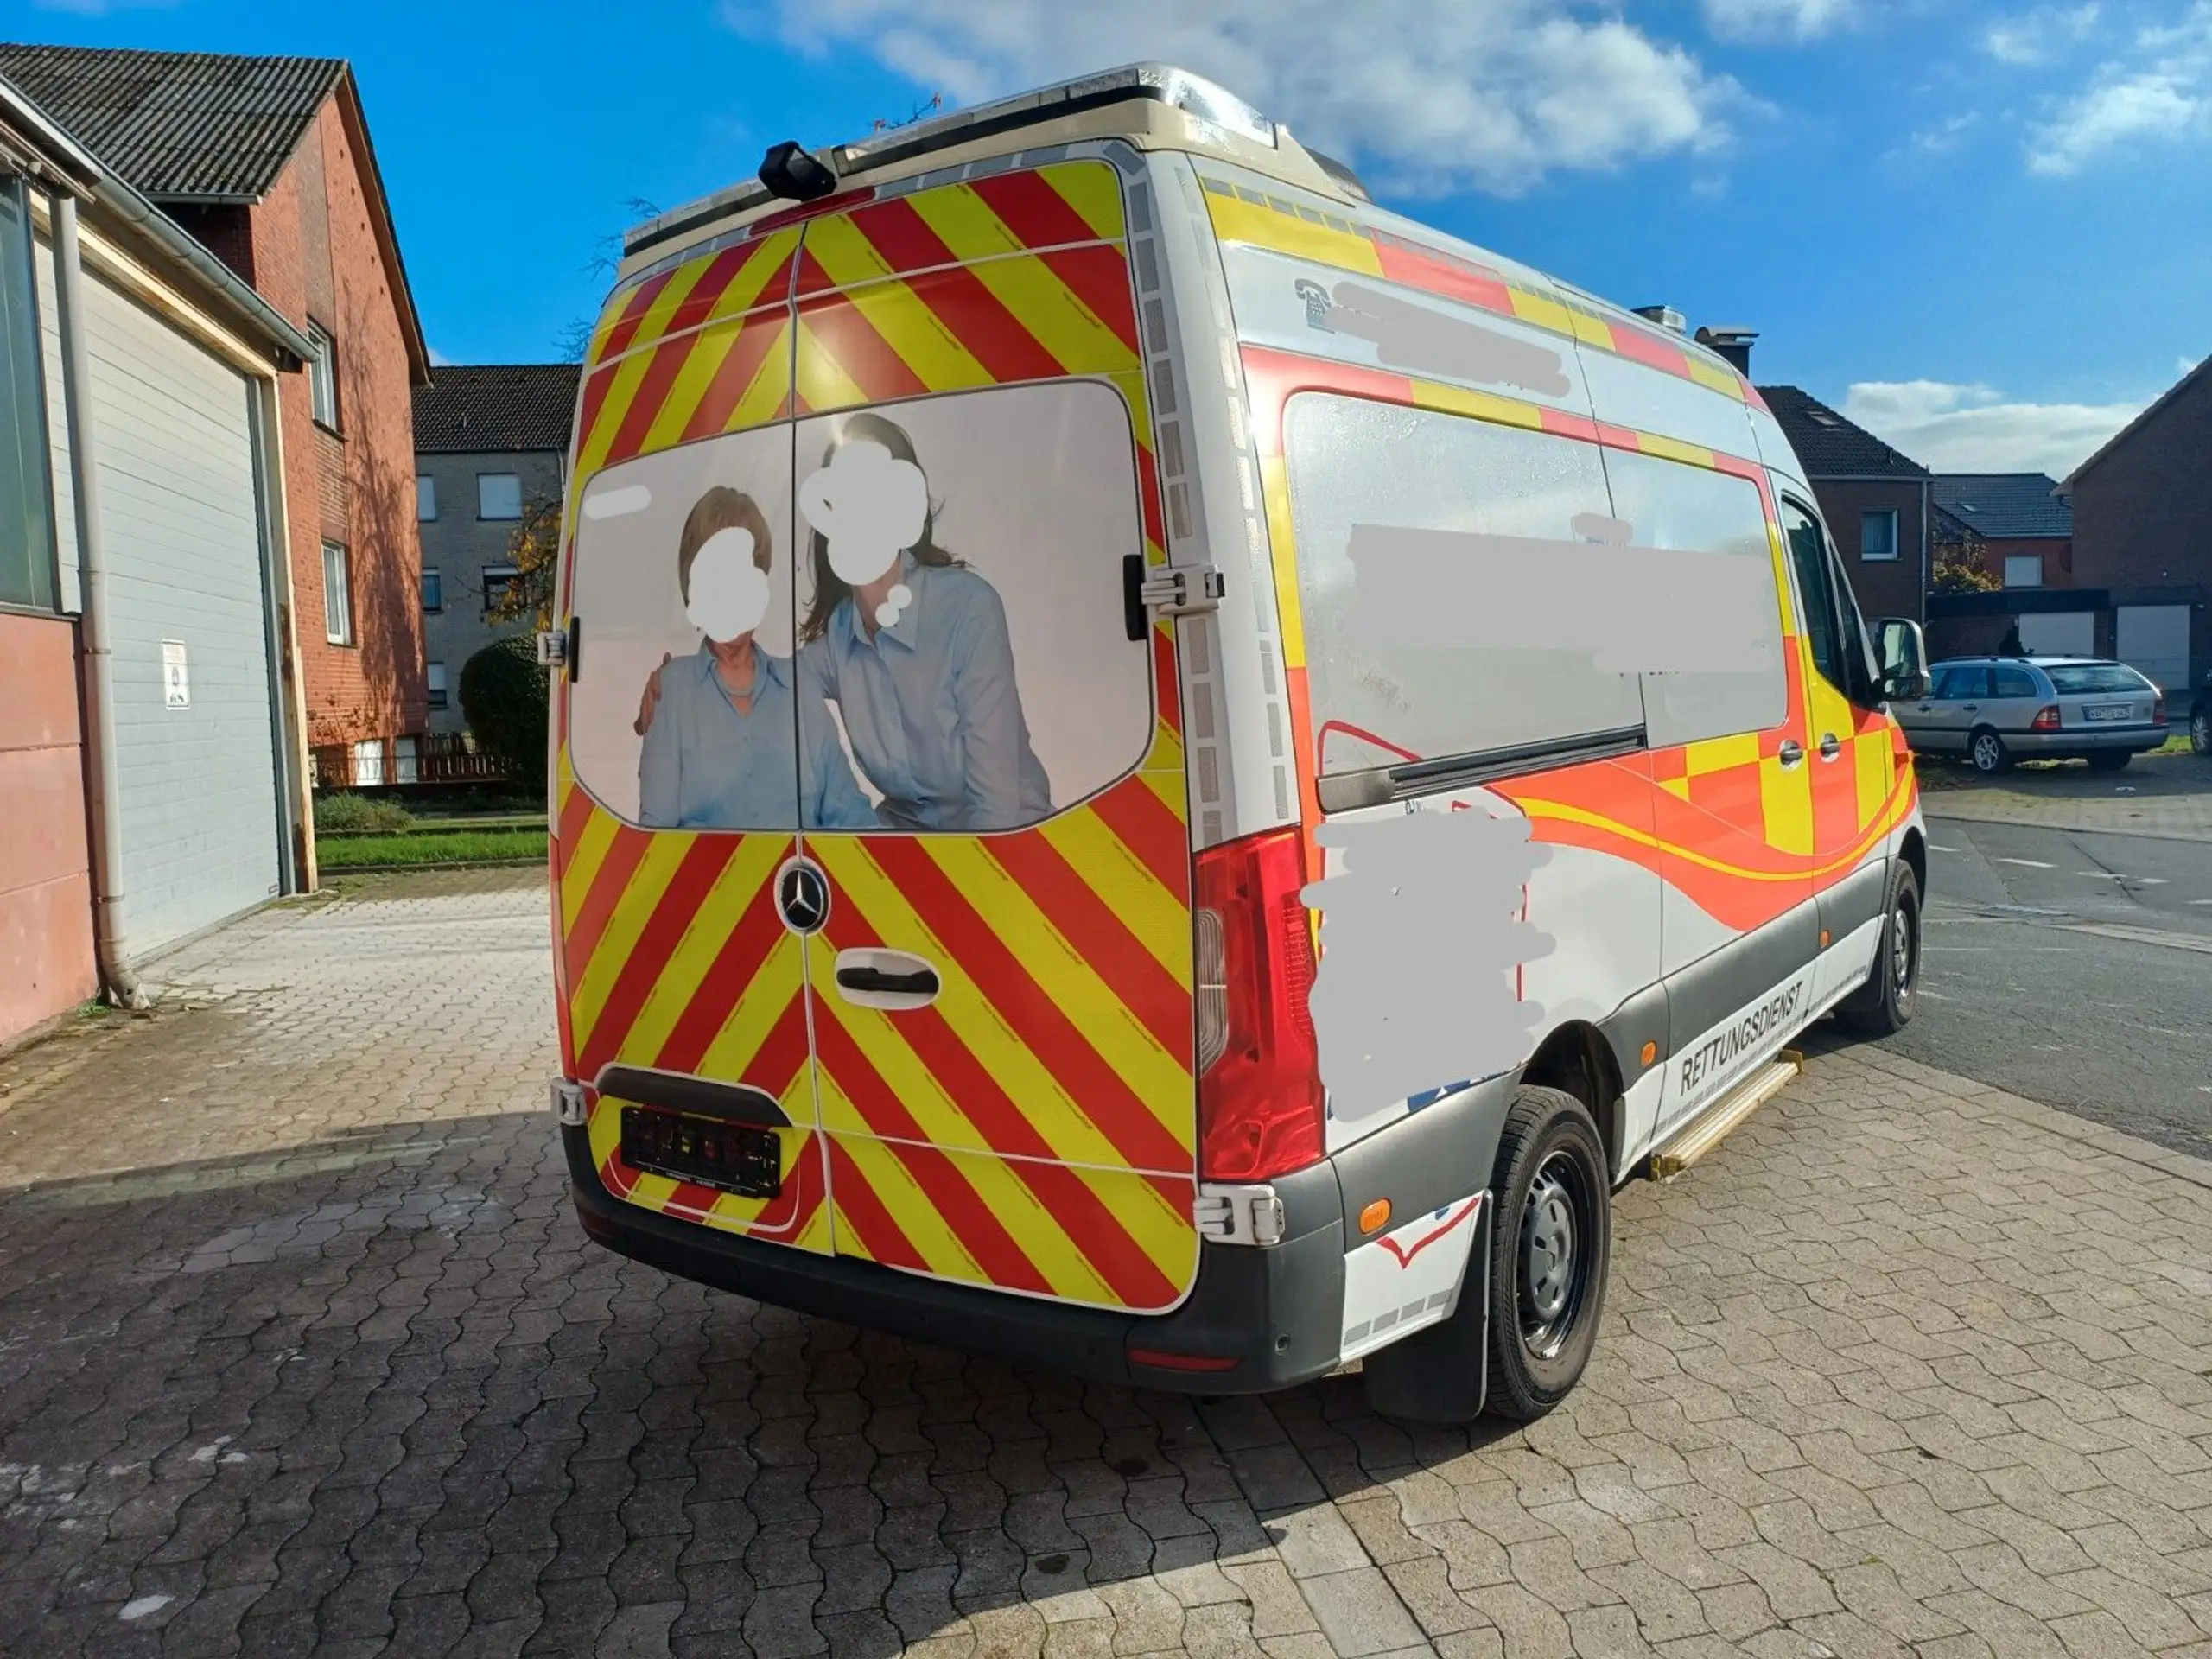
(803, 896)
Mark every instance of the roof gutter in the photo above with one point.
(77, 172)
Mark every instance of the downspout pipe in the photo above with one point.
(117, 975)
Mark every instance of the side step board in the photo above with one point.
(1705, 1131)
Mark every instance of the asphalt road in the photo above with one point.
(2076, 969)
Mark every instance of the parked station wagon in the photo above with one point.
(1995, 710)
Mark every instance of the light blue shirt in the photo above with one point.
(929, 705)
(707, 766)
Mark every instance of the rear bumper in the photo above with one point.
(1259, 1319)
(2086, 739)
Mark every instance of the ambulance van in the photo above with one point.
(1162, 772)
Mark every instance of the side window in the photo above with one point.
(1808, 560)
(1857, 650)
(26, 498)
(2006, 682)
(1961, 681)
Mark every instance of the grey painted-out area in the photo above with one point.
(1409, 336)
(1422, 930)
(197, 784)
(461, 548)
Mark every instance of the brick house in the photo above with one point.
(1876, 502)
(267, 162)
(2014, 526)
(2143, 534)
(490, 440)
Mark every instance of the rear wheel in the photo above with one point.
(1884, 1006)
(1552, 1245)
(1987, 751)
(2200, 730)
(2110, 760)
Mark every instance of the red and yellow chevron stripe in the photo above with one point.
(1034, 1128)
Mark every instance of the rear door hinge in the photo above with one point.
(1182, 589)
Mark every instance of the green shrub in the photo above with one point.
(504, 694)
(358, 814)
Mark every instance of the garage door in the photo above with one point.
(197, 765)
(2060, 634)
(2153, 640)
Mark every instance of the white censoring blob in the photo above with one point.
(1423, 926)
(1636, 610)
(1409, 336)
(622, 499)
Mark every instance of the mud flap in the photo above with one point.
(1441, 1375)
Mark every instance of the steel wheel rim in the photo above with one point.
(1901, 949)
(1556, 1225)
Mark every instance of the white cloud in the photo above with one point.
(2185, 366)
(438, 359)
(1776, 20)
(2161, 90)
(1490, 93)
(2033, 36)
(1973, 429)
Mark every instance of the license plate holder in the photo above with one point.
(705, 1151)
(2106, 711)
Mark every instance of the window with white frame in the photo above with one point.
(1877, 534)
(2024, 569)
(337, 594)
(322, 376)
(499, 582)
(434, 677)
(498, 495)
(434, 588)
(368, 761)
(426, 498)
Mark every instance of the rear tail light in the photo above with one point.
(1260, 1101)
(2159, 710)
(2046, 719)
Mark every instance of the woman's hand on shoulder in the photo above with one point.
(650, 700)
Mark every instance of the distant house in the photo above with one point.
(1876, 502)
(266, 161)
(490, 440)
(2014, 526)
(153, 790)
(2142, 515)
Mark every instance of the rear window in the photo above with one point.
(1467, 588)
(2077, 679)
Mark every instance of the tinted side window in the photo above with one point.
(1961, 681)
(1808, 557)
(2013, 682)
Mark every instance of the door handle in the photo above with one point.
(1791, 752)
(1829, 748)
(894, 981)
(1969, 707)
(921, 982)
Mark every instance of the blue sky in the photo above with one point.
(1981, 228)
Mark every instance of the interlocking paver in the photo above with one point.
(297, 1331)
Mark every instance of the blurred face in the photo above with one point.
(869, 506)
(728, 590)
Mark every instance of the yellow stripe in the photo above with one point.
(1059, 322)
(1160, 921)
(587, 996)
(1893, 813)
(703, 358)
(1542, 310)
(1153, 1074)
(1651, 443)
(920, 336)
(845, 255)
(1591, 330)
(1238, 221)
(1162, 1230)
(1786, 806)
(1877, 772)
(685, 973)
(1482, 405)
(592, 845)
(763, 397)
(821, 380)
(896, 1189)
(629, 375)
(748, 288)
(1282, 544)
(1713, 375)
(759, 1007)
(1093, 190)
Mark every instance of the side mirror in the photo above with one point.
(1902, 650)
(1905, 688)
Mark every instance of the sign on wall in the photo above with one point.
(176, 675)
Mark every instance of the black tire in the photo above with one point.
(2108, 760)
(1986, 751)
(1884, 1006)
(1550, 1252)
(2200, 730)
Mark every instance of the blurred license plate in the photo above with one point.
(748, 1161)
(2107, 711)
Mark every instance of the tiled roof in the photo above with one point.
(180, 126)
(495, 407)
(2005, 504)
(1830, 446)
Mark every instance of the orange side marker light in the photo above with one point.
(1375, 1215)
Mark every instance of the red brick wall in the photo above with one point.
(1883, 587)
(2057, 557)
(2142, 515)
(315, 257)
(46, 889)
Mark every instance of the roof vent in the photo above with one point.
(1666, 317)
(1731, 345)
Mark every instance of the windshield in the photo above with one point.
(2073, 679)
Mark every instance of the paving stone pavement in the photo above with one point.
(2167, 796)
(301, 1349)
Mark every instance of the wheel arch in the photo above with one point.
(1576, 1058)
(1914, 851)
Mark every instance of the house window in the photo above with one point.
(434, 677)
(403, 761)
(426, 498)
(434, 588)
(26, 487)
(322, 376)
(368, 761)
(499, 582)
(2024, 569)
(1877, 534)
(498, 495)
(337, 595)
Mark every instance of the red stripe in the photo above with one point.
(1561, 423)
(1432, 274)
(1006, 1128)
(596, 389)
(724, 984)
(1150, 830)
(713, 282)
(805, 210)
(878, 1234)
(701, 867)
(1100, 938)
(1649, 350)
(980, 322)
(1038, 215)
(844, 335)
(1148, 496)
(1165, 689)
(661, 369)
(758, 335)
(949, 1191)
(574, 816)
(1037, 1020)
(598, 907)
(633, 316)
(902, 236)
(1099, 276)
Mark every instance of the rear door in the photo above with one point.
(1001, 992)
(678, 793)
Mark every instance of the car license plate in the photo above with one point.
(726, 1156)
(2107, 711)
